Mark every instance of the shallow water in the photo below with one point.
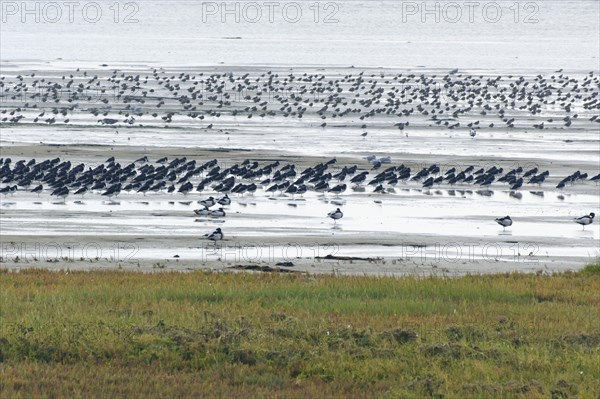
(400, 226)
(526, 149)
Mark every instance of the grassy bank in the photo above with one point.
(117, 334)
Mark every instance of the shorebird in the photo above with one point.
(210, 201)
(340, 188)
(585, 220)
(186, 188)
(217, 213)
(215, 235)
(359, 178)
(292, 189)
(225, 200)
(301, 189)
(202, 211)
(379, 189)
(38, 189)
(113, 191)
(335, 215)
(81, 191)
(61, 192)
(518, 184)
(8, 190)
(504, 222)
(321, 187)
(473, 132)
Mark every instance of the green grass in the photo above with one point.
(592, 269)
(118, 334)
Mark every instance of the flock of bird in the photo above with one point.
(62, 178)
(453, 100)
(181, 175)
(399, 100)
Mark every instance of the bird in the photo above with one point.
(518, 184)
(473, 132)
(8, 190)
(338, 189)
(359, 178)
(585, 220)
(504, 222)
(215, 236)
(335, 215)
(225, 200)
(61, 192)
(38, 189)
(217, 213)
(202, 211)
(186, 188)
(113, 191)
(210, 201)
(292, 190)
(81, 191)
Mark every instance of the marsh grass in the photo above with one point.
(592, 269)
(120, 334)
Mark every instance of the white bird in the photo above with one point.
(585, 220)
(217, 213)
(225, 200)
(335, 215)
(504, 222)
(215, 235)
(202, 211)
